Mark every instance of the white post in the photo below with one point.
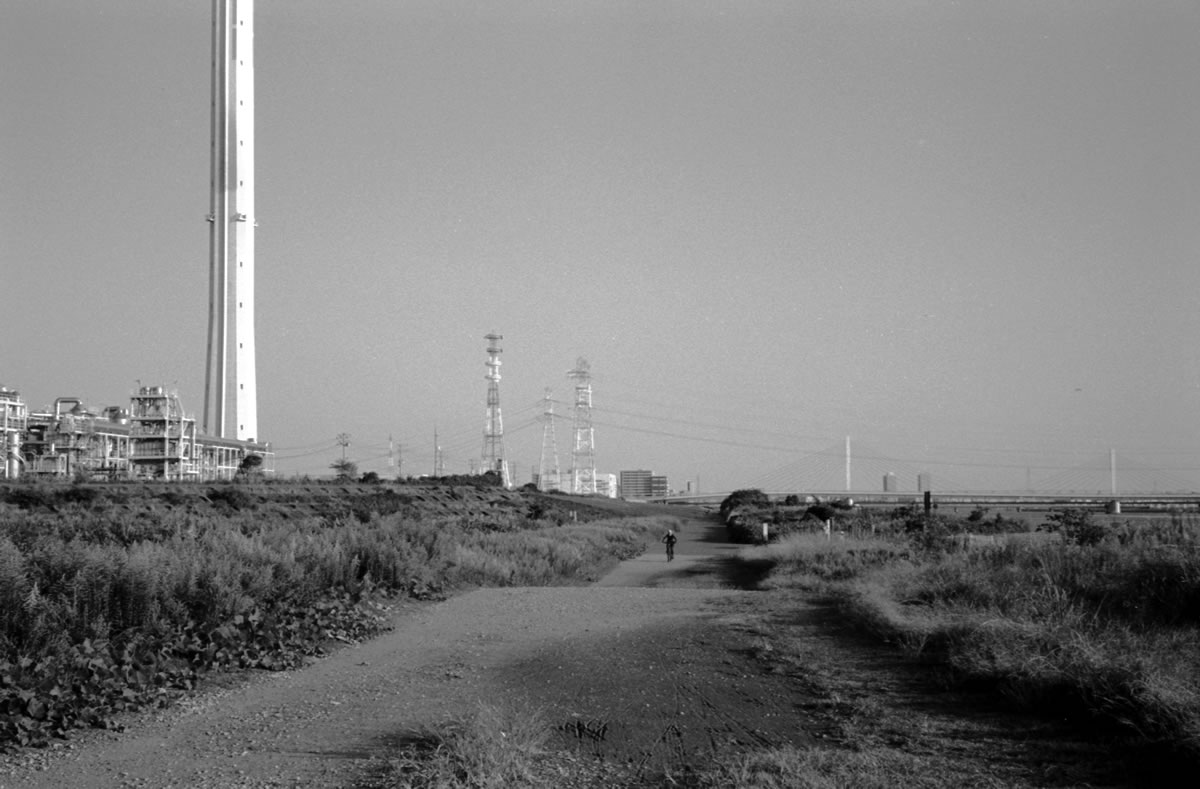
(847, 465)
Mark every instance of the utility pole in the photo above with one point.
(343, 440)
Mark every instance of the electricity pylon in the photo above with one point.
(583, 453)
(548, 479)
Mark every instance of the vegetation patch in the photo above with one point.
(494, 747)
(122, 596)
(1101, 623)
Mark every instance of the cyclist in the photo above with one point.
(669, 539)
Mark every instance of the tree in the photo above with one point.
(345, 470)
(1077, 526)
(747, 497)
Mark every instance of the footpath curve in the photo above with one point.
(652, 656)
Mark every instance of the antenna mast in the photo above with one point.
(583, 454)
(493, 430)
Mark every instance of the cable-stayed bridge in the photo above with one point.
(869, 476)
(867, 470)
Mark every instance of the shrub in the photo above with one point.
(1076, 526)
(749, 498)
(232, 496)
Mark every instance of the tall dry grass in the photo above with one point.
(1109, 631)
(206, 570)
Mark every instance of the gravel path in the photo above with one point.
(637, 649)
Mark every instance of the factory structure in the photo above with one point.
(153, 438)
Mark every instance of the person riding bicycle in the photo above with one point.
(669, 538)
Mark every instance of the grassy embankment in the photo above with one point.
(117, 597)
(1097, 623)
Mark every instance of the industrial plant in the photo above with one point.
(153, 438)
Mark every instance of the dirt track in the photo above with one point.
(634, 652)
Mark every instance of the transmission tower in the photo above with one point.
(583, 454)
(548, 479)
(493, 430)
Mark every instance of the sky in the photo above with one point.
(963, 234)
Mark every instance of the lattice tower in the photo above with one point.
(583, 454)
(548, 473)
(493, 430)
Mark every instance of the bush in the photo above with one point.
(1076, 526)
(749, 498)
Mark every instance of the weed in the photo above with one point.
(492, 748)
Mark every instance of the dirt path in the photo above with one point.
(655, 666)
(626, 650)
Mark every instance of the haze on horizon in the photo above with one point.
(963, 234)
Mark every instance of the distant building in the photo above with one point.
(890, 484)
(924, 482)
(643, 484)
(635, 484)
(658, 486)
(606, 485)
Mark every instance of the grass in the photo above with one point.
(811, 560)
(497, 746)
(494, 747)
(1103, 624)
(839, 768)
